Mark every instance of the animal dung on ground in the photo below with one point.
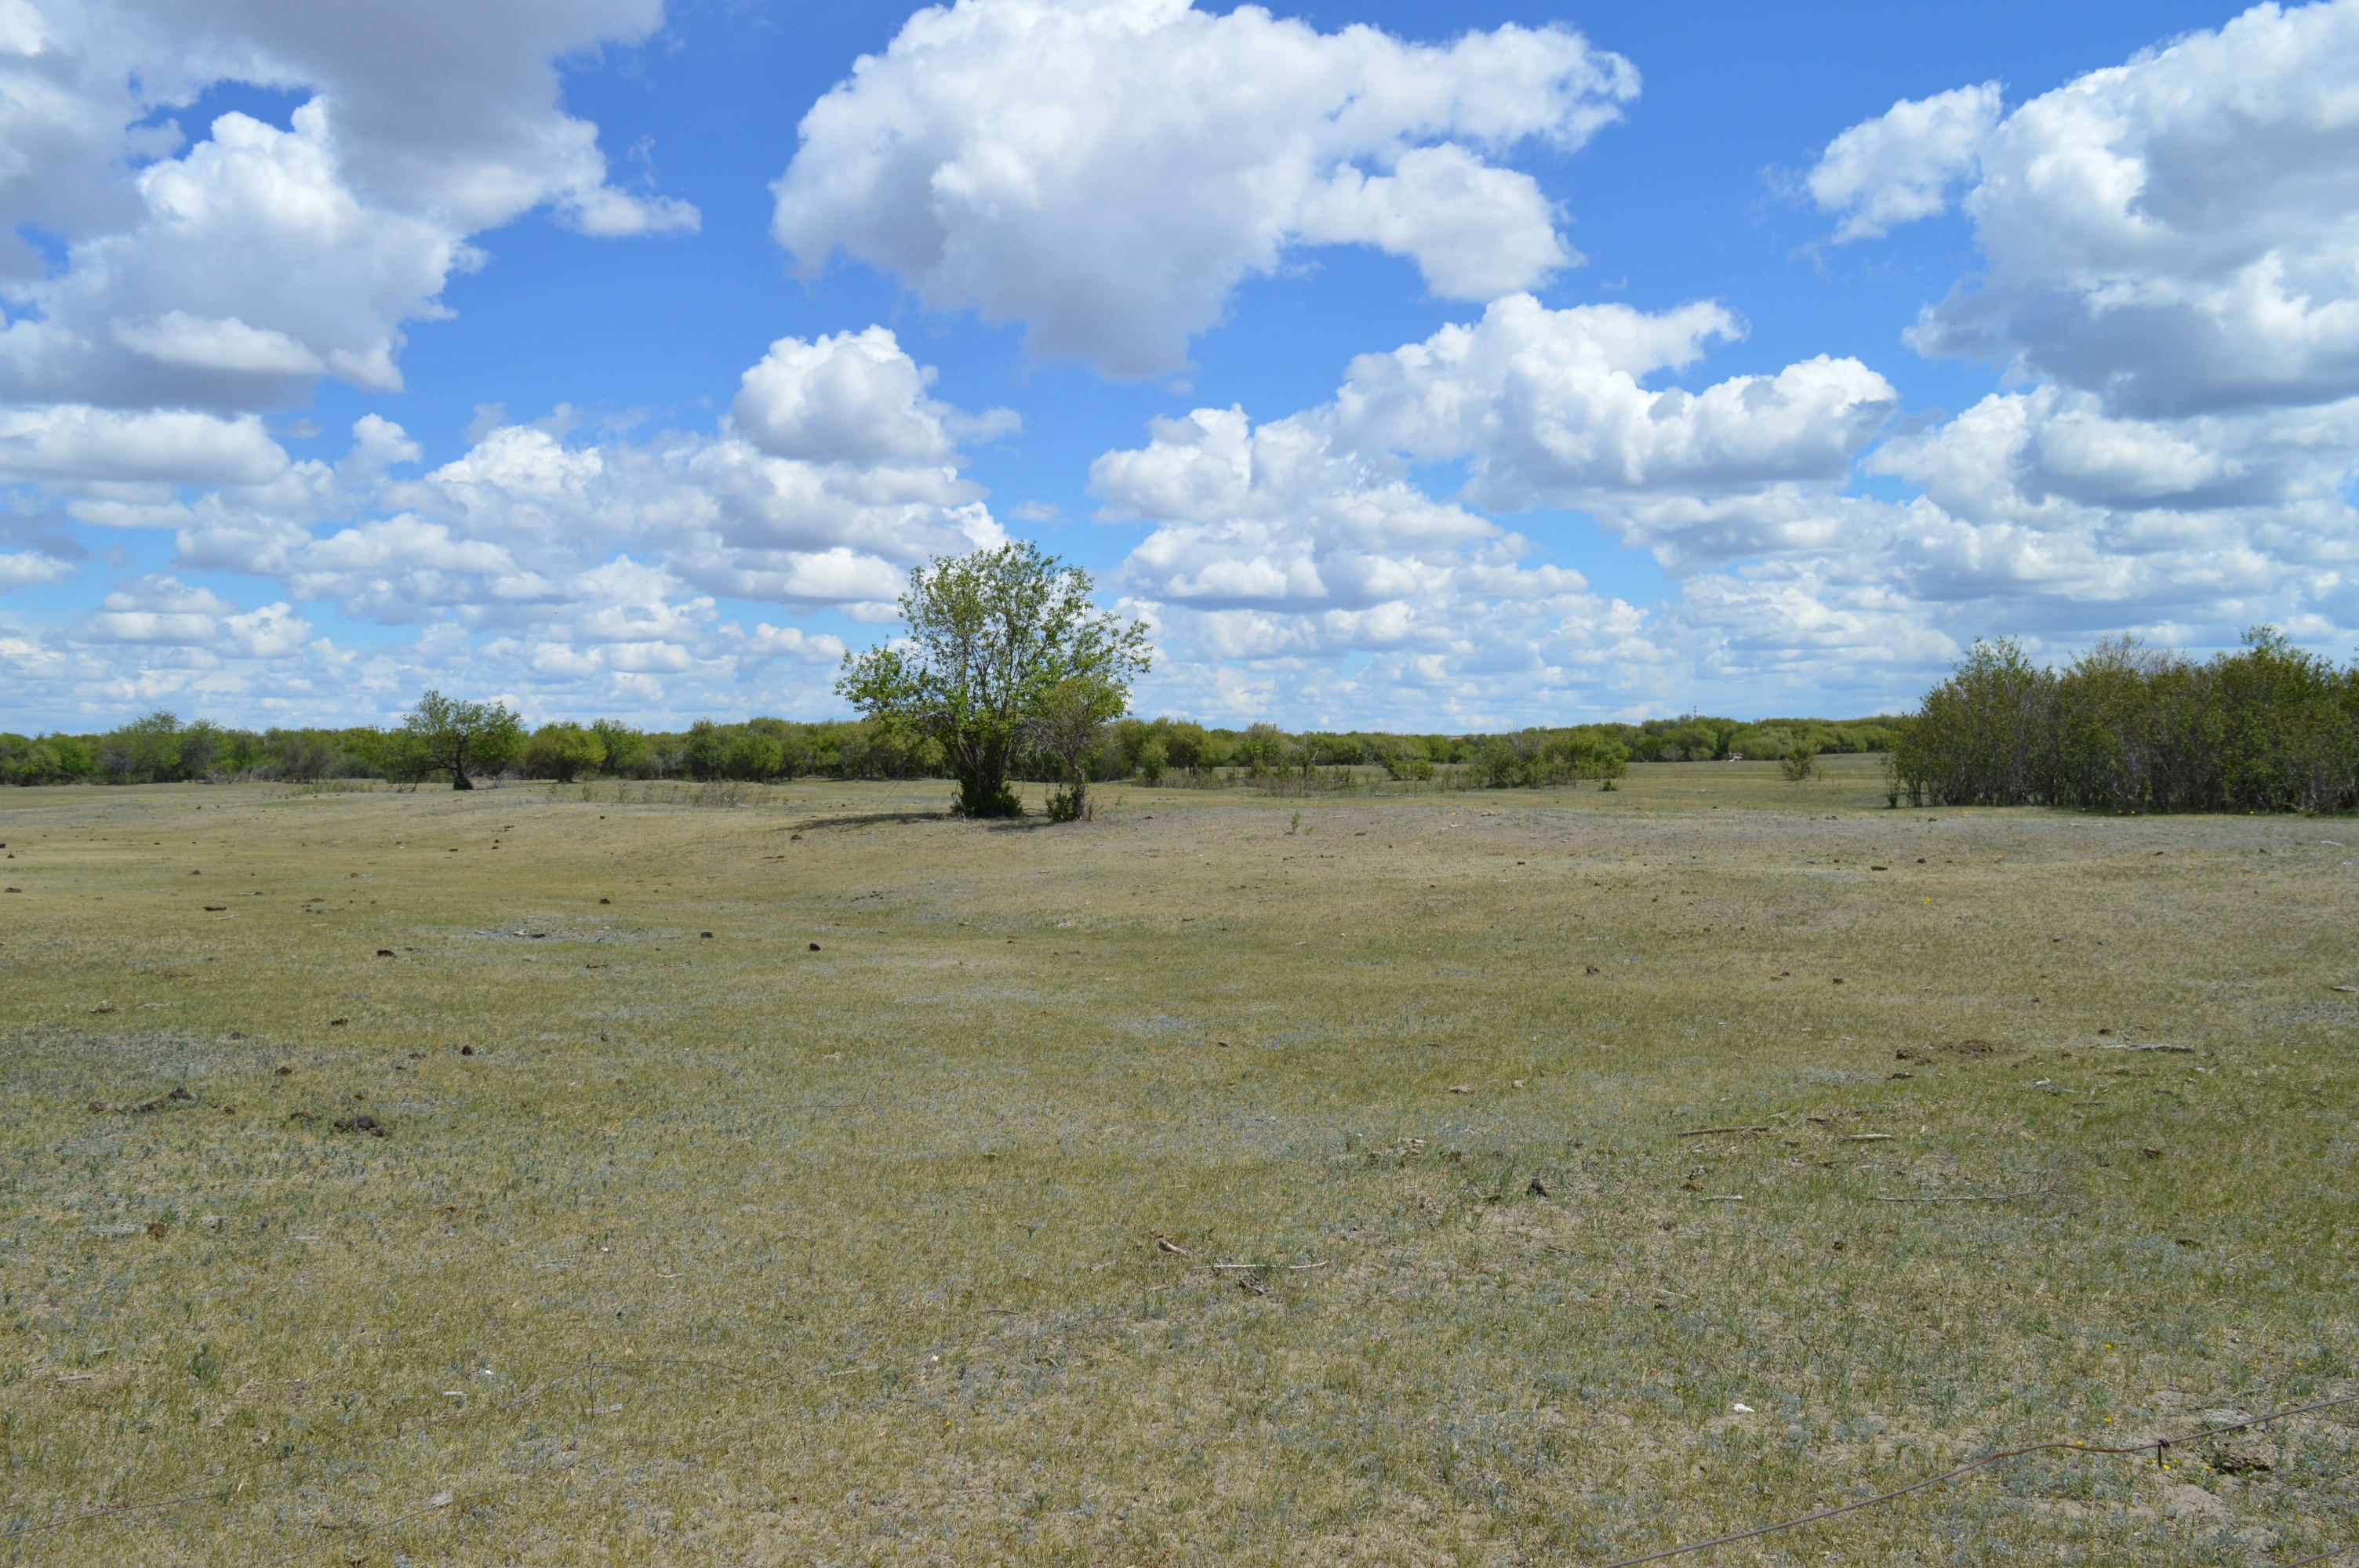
(385, 952)
(215, 908)
(1589, 968)
(1539, 1188)
(181, 1093)
(814, 946)
(470, 1050)
(605, 901)
(285, 1071)
(337, 1022)
(702, 934)
(362, 1123)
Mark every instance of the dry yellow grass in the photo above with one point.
(689, 1249)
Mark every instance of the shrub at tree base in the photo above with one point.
(2127, 727)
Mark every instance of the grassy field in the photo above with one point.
(822, 1180)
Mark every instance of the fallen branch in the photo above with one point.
(1708, 1131)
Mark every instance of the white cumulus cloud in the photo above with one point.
(232, 271)
(1907, 163)
(2177, 234)
(1281, 554)
(585, 571)
(1551, 406)
(75, 442)
(1106, 173)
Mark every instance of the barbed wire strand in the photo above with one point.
(2158, 1447)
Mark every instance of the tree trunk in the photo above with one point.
(982, 783)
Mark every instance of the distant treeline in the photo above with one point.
(161, 748)
(2127, 727)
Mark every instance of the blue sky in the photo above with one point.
(1436, 481)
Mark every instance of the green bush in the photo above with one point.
(563, 753)
(51, 759)
(2126, 727)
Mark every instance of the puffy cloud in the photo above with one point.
(1107, 173)
(1904, 163)
(70, 442)
(1284, 553)
(1278, 557)
(165, 611)
(2175, 234)
(31, 568)
(853, 397)
(1552, 408)
(234, 271)
(1294, 566)
(581, 573)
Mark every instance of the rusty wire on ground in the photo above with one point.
(2158, 1447)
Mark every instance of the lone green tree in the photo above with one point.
(463, 737)
(994, 638)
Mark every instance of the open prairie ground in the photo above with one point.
(821, 1180)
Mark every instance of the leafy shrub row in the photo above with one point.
(163, 748)
(2127, 728)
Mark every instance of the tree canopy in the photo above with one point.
(998, 644)
(462, 737)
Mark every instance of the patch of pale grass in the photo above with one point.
(696, 1248)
